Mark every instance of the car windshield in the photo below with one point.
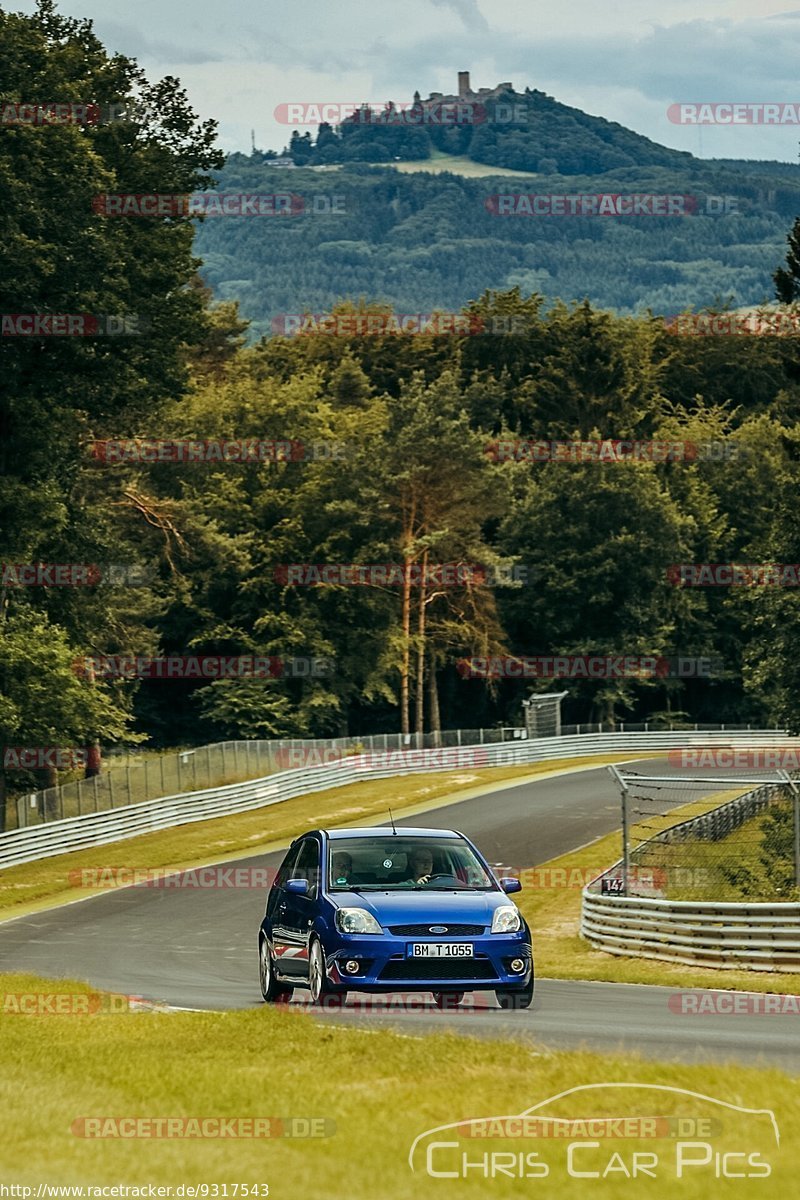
(396, 861)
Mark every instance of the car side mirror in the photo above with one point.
(510, 885)
(298, 887)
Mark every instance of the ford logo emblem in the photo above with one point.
(437, 929)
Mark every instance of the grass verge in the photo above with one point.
(378, 1090)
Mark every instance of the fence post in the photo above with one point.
(128, 778)
(163, 785)
(111, 788)
(625, 847)
(796, 822)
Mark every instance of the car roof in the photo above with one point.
(382, 830)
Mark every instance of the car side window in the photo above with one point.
(285, 869)
(307, 865)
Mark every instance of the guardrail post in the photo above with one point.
(796, 822)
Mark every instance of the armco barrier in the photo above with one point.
(762, 937)
(98, 829)
(728, 935)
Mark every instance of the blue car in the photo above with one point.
(378, 910)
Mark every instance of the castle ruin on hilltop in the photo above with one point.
(465, 92)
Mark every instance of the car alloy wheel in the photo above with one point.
(264, 968)
(316, 972)
(271, 990)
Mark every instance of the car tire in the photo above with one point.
(448, 1000)
(322, 991)
(510, 998)
(272, 991)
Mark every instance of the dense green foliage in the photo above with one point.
(413, 414)
(424, 241)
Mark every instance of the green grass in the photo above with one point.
(382, 1090)
(716, 866)
(39, 884)
(458, 164)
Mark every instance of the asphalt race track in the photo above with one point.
(196, 948)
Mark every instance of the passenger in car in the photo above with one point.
(341, 868)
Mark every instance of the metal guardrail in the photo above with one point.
(764, 937)
(135, 776)
(735, 934)
(101, 828)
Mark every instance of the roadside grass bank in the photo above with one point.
(272, 1063)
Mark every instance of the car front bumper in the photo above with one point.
(385, 964)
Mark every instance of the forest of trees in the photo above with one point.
(415, 484)
(420, 241)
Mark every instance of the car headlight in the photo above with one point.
(356, 920)
(506, 919)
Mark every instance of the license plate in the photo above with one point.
(440, 950)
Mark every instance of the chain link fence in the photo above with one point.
(694, 840)
(136, 777)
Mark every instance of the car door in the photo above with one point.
(277, 909)
(299, 911)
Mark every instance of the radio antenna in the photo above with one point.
(391, 818)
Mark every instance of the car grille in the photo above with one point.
(425, 930)
(411, 969)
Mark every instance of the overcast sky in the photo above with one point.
(627, 62)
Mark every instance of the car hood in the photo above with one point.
(409, 907)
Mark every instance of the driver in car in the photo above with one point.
(420, 865)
